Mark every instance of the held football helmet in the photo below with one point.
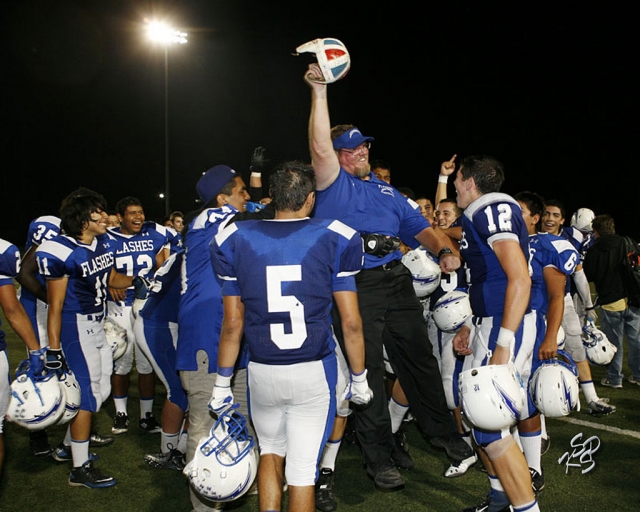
(424, 270)
(116, 338)
(332, 55)
(71, 394)
(36, 402)
(582, 219)
(491, 396)
(600, 350)
(225, 463)
(554, 387)
(451, 310)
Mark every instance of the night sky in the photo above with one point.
(550, 91)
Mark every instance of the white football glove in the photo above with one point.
(591, 315)
(358, 390)
(222, 397)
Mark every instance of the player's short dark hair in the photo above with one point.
(558, 204)
(449, 200)
(535, 204)
(76, 209)
(290, 185)
(486, 171)
(380, 164)
(125, 202)
(175, 214)
(604, 224)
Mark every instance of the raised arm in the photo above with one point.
(323, 157)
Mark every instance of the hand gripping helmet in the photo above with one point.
(451, 310)
(554, 387)
(71, 394)
(424, 270)
(116, 338)
(332, 55)
(600, 350)
(37, 402)
(582, 219)
(492, 396)
(225, 463)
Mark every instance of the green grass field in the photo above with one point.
(30, 483)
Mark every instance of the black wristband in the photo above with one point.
(444, 250)
(590, 309)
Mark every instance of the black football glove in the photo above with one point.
(141, 287)
(56, 361)
(259, 160)
(380, 245)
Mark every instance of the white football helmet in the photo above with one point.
(451, 310)
(332, 55)
(71, 393)
(491, 396)
(36, 402)
(424, 270)
(225, 463)
(554, 387)
(582, 219)
(600, 350)
(116, 337)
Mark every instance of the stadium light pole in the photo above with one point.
(165, 35)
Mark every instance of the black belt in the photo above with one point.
(387, 266)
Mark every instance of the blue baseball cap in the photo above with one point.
(213, 181)
(350, 139)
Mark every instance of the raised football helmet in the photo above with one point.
(36, 402)
(225, 463)
(71, 393)
(554, 387)
(424, 271)
(600, 350)
(451, 310)
(116, 338)
(332, 55)
(582, 219)
(491, 396)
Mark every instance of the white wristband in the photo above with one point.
(256, 175)
(505, 337)
(443, 179)
(223, 382)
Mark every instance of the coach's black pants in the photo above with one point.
(387, 300)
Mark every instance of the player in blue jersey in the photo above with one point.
(17, 317)
(224, 196)
(553, 260)
(78, 267)
(33, 296)
(156, 331)
(349, 192)
(279, 279)
(495, 248)
(142, 247)
(553, 222)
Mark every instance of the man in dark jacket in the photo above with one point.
(603, 267)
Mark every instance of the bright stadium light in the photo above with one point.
(165, 35)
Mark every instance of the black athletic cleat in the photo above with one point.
(149, 424)
(400, 451)
(88, 476)
(120, 424)
(385, 476)
(62, 453)
(172, 460)
(454, 445)
(39, 443)
(537, 480)
(325, 493)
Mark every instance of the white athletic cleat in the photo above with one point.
(460, 467)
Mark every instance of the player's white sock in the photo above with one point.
(121, 404)
(169, 441)
(531, 442)
(146, 406)
(397, 412)
(589, 391)
(80, 452)
(330, 454)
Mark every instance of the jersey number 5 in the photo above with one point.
(278, 303)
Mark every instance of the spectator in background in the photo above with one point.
(381, 170)
(603, 266)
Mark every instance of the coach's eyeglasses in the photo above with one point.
(360, 149)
